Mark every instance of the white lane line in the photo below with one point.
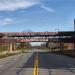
(70, 65)
(1, 66)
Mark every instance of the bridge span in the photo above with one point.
(20, 37)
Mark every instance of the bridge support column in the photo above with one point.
(74, 45)
(61, 44)
(14, 46)
(10, 47)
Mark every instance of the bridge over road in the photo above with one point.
(14, 37)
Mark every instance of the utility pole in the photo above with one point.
(74, 35)
(58, 43)
(74, 25)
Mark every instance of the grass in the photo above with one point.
(8, 54)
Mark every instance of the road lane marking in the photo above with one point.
(36, 66)
(70, 65)
(1, 66)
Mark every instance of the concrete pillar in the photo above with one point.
(11, 47)
(61, 44)
(14, 46)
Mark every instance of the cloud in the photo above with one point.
(12, 5)
(47, 8)
(6, 21)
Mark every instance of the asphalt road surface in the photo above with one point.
(45, 63)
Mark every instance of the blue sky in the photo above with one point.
(36, 15)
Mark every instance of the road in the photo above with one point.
(45, 63)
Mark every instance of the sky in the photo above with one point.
(36, 15)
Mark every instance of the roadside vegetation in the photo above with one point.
(3, 48)
(23, 47)
(66, 49)
(5, 52)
